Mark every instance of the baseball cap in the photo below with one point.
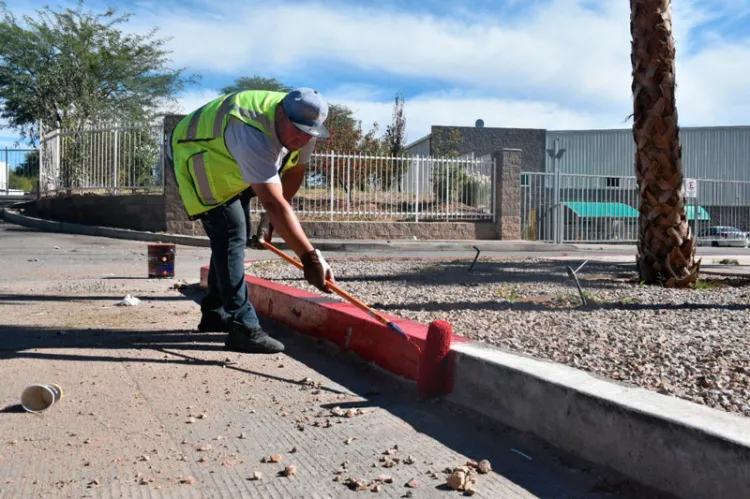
(308, 110)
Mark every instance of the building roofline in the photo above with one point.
(418, 141)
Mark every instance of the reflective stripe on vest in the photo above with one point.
(224, 110)
(201, 176)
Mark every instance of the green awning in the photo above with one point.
(621, 210)
(602, 210)
(702, 213)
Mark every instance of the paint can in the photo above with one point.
(161, 259)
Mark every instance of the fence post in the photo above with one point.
(557, 219)
(116, 163)
(58, 159)
(493, 201)
(416, 197)
(332, 191)
(41, 155)
(447, 189)
(348, 187)
(7, 172)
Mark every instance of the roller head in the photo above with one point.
(435, 367)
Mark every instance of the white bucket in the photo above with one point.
(39, 398)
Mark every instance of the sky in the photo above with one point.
(554, 64)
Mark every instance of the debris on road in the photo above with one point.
(276, 458)
(484, 467)
(128, 301)
(356, 484)
(290, 470)
(188, 480)
(256, 476)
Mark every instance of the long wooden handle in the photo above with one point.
(331, 285)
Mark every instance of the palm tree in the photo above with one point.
(666, 246)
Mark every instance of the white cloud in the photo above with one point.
(562, 64)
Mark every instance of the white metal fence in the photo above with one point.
(350, 187)
(103, 159)
(566, 207)
(357, 187)
(23, 163)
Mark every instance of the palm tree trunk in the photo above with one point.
(666, 246)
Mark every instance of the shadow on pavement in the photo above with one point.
(12, 409)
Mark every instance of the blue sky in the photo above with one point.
(556, 64)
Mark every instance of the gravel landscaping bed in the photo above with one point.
(693, 344)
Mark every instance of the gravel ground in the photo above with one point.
(692, 344)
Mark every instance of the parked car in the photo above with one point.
(724, 236)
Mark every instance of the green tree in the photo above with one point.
(255, 83)
(72, 67)
(29, 167)
(26, 184)
(395, 140)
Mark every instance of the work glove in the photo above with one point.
(317, 270)
(264, 233)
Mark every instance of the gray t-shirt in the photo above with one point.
(258, 156)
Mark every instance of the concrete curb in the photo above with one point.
(342, 245)
(668, 443)
(342, 324)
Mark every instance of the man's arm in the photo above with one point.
(292, 178)
(283, 218)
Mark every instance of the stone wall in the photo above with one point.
(129, 211)
(484, 141)
(400, 230)
(508, 202)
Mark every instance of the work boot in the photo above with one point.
(213, 322)
(245, 340)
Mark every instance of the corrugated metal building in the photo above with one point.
(717, 153)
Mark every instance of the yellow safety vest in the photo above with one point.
(206, 173)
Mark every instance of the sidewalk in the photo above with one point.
(153, 409)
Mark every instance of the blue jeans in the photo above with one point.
(228, 228)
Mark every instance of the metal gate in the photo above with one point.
(570, 208)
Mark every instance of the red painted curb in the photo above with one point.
(338, 321)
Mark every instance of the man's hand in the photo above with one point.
(317, 270)
(263, 234)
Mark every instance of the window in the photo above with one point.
(613, 182)
(524, 180)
